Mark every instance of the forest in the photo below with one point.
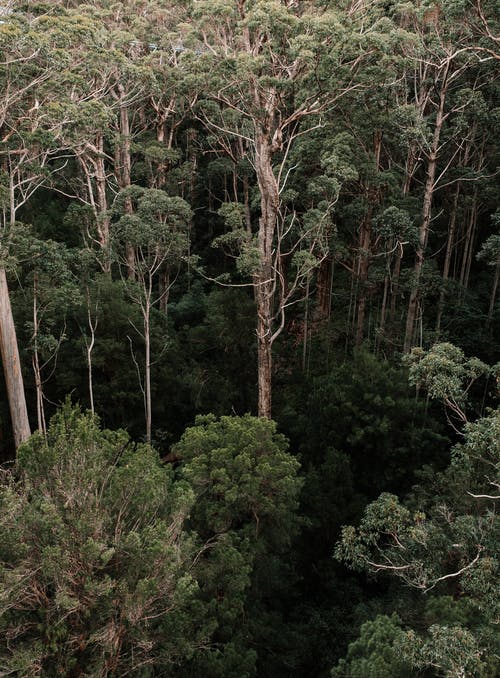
(249, 323)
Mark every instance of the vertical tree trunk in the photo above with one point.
(102, 203)
(147, 375)
(396, 272)
(494, 289)
(306, 328)
(123, 168)
(90, 347)
(383, 314)
(264, 355)
(324, 289)
(363, 268)
(471, 236)
(264, 280)
(40, 410)
(425, 223)
(447, 259)
(12, 367)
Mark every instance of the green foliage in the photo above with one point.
(365, 410)
(376, 653)
(112, 564)
(246, 489)
(96, 571)
(245, 477)
(446, 374)
(170, 97)
(452, 651)
(449, 543)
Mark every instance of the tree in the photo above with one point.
(377, 651)
(247, 488)
(443, 56)
(445, 539)
(152, 237)
(51, 292)
(273, 68)
(490, 251)
(35, 108)
(96, 566)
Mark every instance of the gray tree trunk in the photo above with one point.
(12, 367)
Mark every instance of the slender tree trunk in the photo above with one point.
(363, 268)
(396, 272)
(90, 347)
(471, 236)
(265, 279)
(102, 203)
(306, 328)
(147, 374)
(383, 314)
(12, 366)
(494, 289)
(40, 410)
(161, 175)
(447, 259)
(425, 223)
(124, 169)
(324, 289)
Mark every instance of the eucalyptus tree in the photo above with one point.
(153, 239)
(35, 59)
(50, 293)
(490, 252)
(442, 57)
(273, 69)
(444, 541)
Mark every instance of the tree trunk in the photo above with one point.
(264, 355)
(425, 223)
(102, 203)
(324, 289)
(383, 314)
(264, 280)
(124, 171)
(363, 268)
(12, 367)
(396, 272)
(469, 249)
(90, 347)
(494, 292)
(147, 375)
(447, 259)
(40, 410)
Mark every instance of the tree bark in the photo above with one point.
(447, 259)
(40, 409)
(12, 367)
(425, 223)
(363, 268)
(494, 289)
(123, 169)
(265, 279)
(147, 376)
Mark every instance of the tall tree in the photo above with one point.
(443, 55)
(274, 67)
(154, 239)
